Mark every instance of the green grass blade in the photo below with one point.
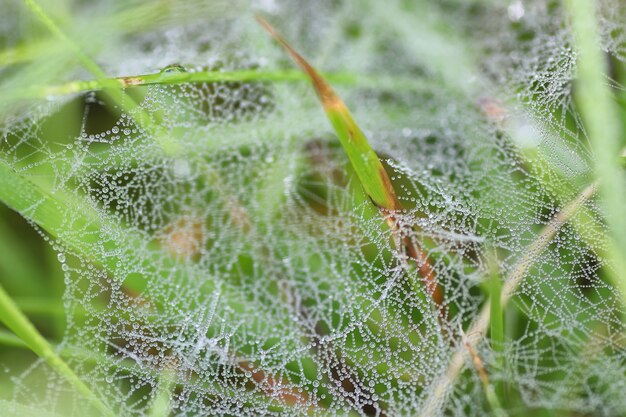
(19, 324)
(87, 62)
(494, 289)
(10, 339)
(364, 160)
(601, 119)
(178, 77)
(497, 317)
(368, 168)
(496, 331)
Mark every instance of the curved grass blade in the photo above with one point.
(369, 169)
(179, 77)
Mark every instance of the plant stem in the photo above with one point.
(246, 75)
(497, 323)
(19, 324)
(440, 387)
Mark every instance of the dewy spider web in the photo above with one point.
(224, 260)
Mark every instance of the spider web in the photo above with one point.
(223, 258)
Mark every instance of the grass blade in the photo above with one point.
(604, 127)
(19, 324)
(440, 387)
(85, 60)
(177, 77)
(365, 162)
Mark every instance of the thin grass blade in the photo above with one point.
(18, 323)
(364, 160)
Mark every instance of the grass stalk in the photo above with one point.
(19, 324)
(180, 77)
(497, 316)
(209, 76)
(364, 160)
(440, 386)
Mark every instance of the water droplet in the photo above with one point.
(173, 69)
